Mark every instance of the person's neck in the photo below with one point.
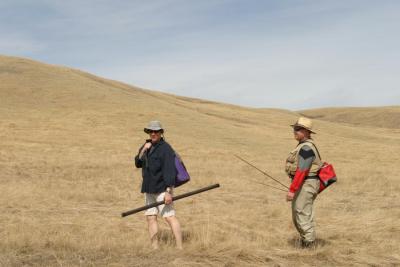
(304, 139)
(156, 142)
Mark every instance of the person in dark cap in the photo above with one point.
(157, 160)
(302, 166)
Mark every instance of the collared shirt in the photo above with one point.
(158, 167)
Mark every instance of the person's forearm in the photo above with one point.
(138, 162)
(298, 180)
(141, 153)
(139, 158)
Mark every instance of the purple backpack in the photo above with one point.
(182, 176)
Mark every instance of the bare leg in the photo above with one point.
(176, 229)
(153, 230)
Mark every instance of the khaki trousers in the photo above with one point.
(302, 209)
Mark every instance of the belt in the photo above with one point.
(308, 177)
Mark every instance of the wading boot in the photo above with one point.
(308, 244)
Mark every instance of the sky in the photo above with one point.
(265, 54)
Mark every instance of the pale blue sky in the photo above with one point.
(285, 54)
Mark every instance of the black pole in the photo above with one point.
(263, 172)
(130, 212)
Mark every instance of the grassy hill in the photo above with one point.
(67, 143)
(381, 117)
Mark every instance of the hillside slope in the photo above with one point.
(67, 143)
(382, 117)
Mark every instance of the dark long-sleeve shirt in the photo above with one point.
(158, 167)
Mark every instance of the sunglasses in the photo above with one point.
(153, 131)
(296, 129)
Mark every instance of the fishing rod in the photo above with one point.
(263, 172)
(280, 189)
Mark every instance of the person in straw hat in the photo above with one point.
(157, 160)
(302, 166)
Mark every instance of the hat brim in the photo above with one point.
(304, 127)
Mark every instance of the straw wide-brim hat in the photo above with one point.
(305, 123)
(154, 126)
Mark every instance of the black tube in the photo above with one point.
(130, 212)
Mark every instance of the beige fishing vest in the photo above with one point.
(293, 158)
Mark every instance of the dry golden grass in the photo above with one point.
(383, 117)
(67, 143)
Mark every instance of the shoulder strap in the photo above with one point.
(311, 143)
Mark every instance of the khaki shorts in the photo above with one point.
(164, 210)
